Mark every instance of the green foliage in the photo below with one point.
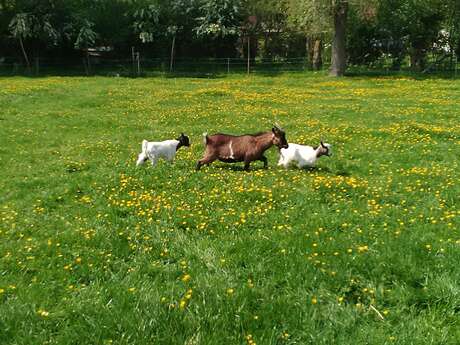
(220, 18)
(215, 27)
(86, 36)
(411, 26)
(21, 26)
(146, 21)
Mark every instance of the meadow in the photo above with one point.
(364, 249)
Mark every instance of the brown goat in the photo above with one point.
(242, 148)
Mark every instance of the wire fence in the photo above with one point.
(142, 66)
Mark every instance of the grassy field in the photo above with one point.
(364, 249)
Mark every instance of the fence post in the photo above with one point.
(88, 62)
(456, 64)
(138, 55)
(37, 65)
(171, 61)
(249, 53)
(133, 59)
(85, 65)
(228, 65)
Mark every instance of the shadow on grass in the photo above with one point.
(238, 167)
(325, 170)
(231, 167)
(403, 74)
(125, 72)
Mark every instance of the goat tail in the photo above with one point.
(144, 146)
(205, 138)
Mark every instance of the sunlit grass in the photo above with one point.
(362, 250)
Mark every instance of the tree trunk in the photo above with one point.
(249, 55)
(266, 51)
(24, 53)
(310, 52)
(417, 59)
(339, 53)
(88, 61)
(171, 61)
(317, 54)
(254, 48)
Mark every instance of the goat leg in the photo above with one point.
(265, 160)
(203, 161)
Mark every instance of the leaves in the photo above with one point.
(21, 26)
(86, 36)
(221, 18)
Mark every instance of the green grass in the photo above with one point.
(365, 249)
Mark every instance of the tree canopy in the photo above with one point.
(358, 32)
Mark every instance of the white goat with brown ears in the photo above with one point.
(302, 155)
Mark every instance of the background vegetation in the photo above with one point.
(357, 32)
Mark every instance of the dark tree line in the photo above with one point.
(358, 32)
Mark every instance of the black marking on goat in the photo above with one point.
(183, 141)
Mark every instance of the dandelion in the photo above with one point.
(182, 304)
(250, 340)
(43, 313)
(363, 249)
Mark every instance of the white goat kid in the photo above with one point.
(302, 155)
(161, 149)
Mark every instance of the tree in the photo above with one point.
(220, 18)
(330, 15)
(266, 18)
(86, 36)
(166, 20)
(21, 28)
(146, 22)
(412, 27)
(308, 18)
(339, 50)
